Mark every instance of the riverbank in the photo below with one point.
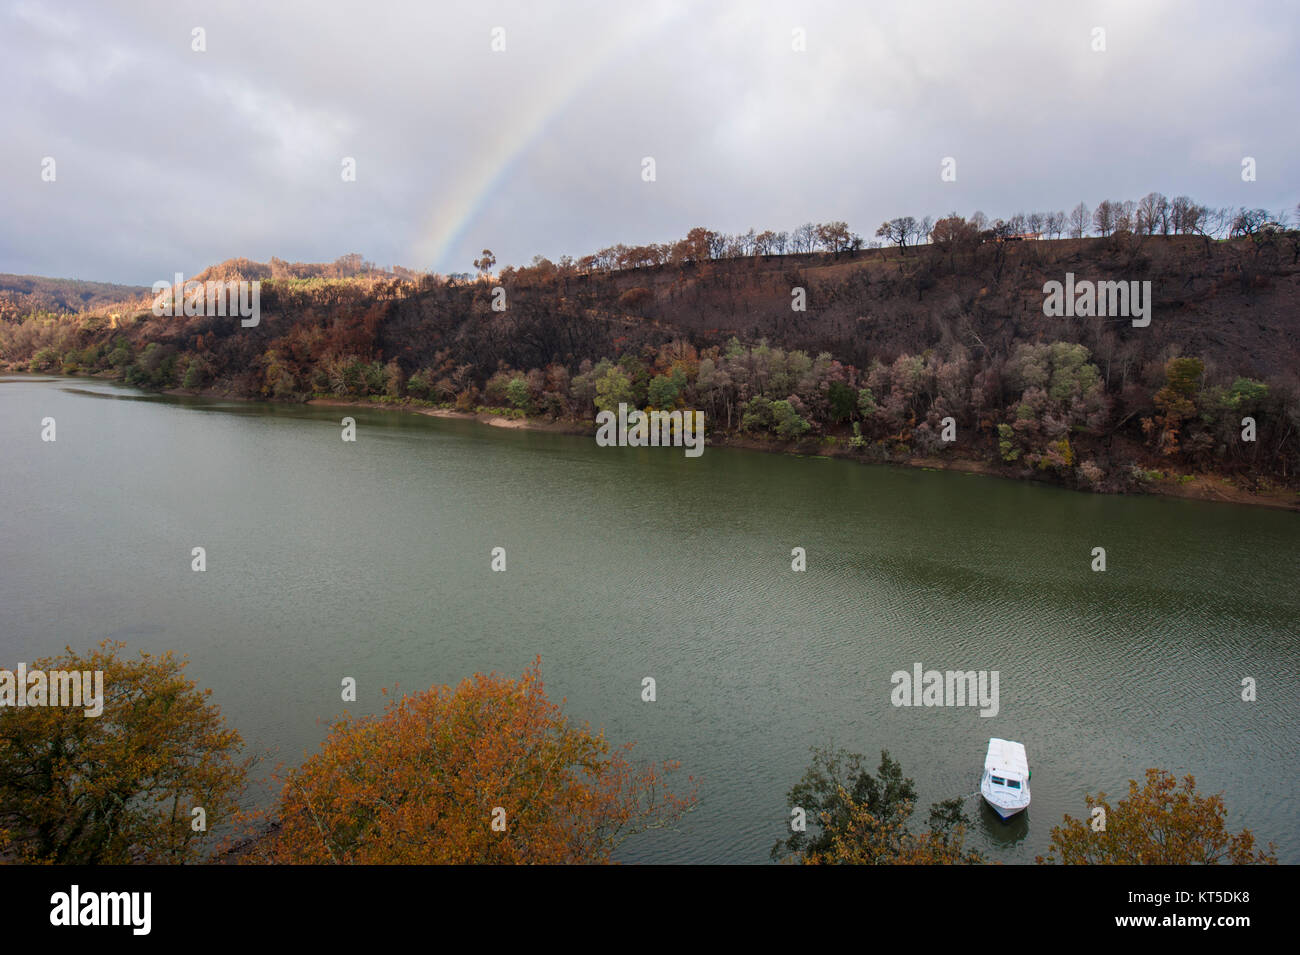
(1209, 487)
(1216, 488)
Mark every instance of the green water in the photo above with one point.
(327, 559)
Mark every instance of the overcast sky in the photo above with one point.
(167, 159)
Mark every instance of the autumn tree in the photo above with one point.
(490, 772)
(701, 242)
(119, 787)
(837, 237)
(350, 264)
(1165, 822)
(952, 234)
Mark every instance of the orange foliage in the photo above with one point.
(425, 781)
(1164, 822)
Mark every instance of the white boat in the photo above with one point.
(1005, 785)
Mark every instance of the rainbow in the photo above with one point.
(459, 205)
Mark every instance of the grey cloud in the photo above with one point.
(171, 160)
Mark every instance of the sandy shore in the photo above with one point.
(483, 417)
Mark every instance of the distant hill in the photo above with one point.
(23, 294)
(351, 266)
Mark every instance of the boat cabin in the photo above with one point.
(1006, 763)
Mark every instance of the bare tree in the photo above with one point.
(1080, 219)
(1248, 221)
(1103, 220)
(1126, 216)
(1183, 213)
(804, 238)
(923, 230)
(1208, 222)
(898, 231)
(1153, 214)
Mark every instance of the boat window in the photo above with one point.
(999, 781)
(1013, 784)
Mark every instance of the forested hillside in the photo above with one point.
(890, 342)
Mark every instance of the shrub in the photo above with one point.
(1007, 443)
(787, 421)
(634, 298)
(519, 395)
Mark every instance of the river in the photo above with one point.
(328, 559)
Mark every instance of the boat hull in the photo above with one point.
(1005, 812)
